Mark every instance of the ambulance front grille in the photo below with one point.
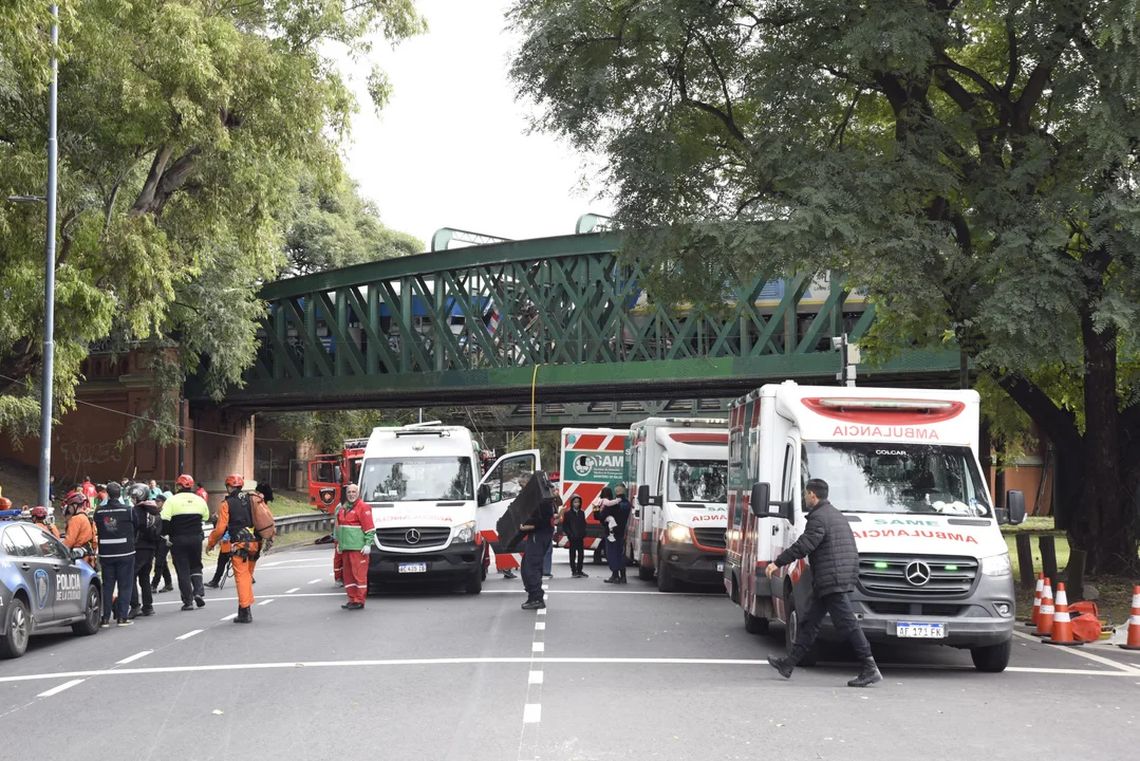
(914, 577)
(404, 538)
(710, 537)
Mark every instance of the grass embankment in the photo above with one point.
(1114, 593)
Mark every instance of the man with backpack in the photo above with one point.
(238, 515)
(148, 519)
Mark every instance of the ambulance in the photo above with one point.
(902, 465)
(435, 518)
(676, 531)
(592, 459)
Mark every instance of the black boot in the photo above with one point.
(784, 665)
(613, 579)
(868, 674)
(244, 616)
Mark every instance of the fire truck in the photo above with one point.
(330, 473)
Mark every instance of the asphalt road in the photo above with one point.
(603, 673)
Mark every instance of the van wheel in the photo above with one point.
(755, 624)
(792, 628)
(474, 584)
(991, 659)
(17, 628)
(665, 580)
(645, 572)
(90, 623)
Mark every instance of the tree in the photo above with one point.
(186, 127)
(972, 163)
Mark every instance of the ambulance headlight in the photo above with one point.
(465, 532)
(675, 533)
(997, 565)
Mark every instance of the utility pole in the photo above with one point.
(49, 273)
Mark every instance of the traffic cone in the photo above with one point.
(1062, 622)
(1031, 621)
(1045, 617)
(1134, 622)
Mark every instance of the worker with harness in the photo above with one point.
(236, 517)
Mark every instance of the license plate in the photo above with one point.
(412, 568)
(919, 631)
(720, 567)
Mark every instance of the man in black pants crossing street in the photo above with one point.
(182, 518)
(574, 527)
(538, 532)
(830, 546)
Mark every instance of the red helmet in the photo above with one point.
(75, 498)
(39, 511)
(186, 481)
(235, 481)
(5, 503)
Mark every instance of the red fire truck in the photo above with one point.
(330, 473)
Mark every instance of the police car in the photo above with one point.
(42, 586)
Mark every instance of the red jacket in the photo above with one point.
(354, 527)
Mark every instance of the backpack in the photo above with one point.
(152, 529)
(264, 524)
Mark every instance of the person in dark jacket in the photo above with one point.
(115, 527)
(574, 527)
(161, 555)
(537, 533)
(146, 543)
(614, 518)
(829, 545)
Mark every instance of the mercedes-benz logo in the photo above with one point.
(412, 536)
(917, 573)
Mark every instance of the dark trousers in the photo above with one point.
(577, 553)
(118, 575)
(161, 567)
(615, 556)
(842, 618)
(534, 551)
(220, 569)
(143, 560)
(186, 552)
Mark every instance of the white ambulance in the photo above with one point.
(431, 509)
(679, 467)
(902, 465)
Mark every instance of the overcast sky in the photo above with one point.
(452, 148)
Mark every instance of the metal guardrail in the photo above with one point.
(314, 521)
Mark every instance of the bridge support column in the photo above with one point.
(222, 443)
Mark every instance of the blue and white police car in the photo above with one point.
(42, 586)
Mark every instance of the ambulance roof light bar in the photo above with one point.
(886, 404)
(689, 422)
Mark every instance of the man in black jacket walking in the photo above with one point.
(115, 527)
(830, 546)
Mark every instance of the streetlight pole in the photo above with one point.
(49, 273)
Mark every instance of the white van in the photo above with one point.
(421, 482)
(902, 465)
(676, 529)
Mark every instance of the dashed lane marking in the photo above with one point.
(316, 581)
(540, 626)
(266, 602)
(189, 634)
(534, 677)
(537, 647)
(227, 618)
(135, 657)
(234, 599)
(60, 688)
(530, 661)
(291, 591)
(532, 713)
(1084, 654)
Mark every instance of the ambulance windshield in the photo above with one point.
(899, 478)
(698, 481)
(416, 479)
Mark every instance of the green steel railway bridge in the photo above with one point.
(561, 321)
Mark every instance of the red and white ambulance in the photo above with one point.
(592, 459)
(902, 465)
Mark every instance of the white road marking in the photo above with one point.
(674, 595)
(234, 599)
(135, 657)
(227, 618)
(275, 563)
(529, 661)
(189, 634)
(532, 713)
(60, 688)
(534, 677)
(540, 625)
(291, 591)
(1083, 654)
(542, 611)
(266, 602)
(537, 647)
(316, 581)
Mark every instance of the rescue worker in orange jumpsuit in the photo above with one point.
(39, 517)
(354, 534)
(81, 529)
(235, 515)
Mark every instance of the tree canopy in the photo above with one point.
(192, 136)
(971, 163)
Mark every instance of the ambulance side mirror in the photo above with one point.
(1015, 506)
(761, 500)
(484, 494)
(643, 494)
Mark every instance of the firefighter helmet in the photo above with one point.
(186, 481)
(235, 481)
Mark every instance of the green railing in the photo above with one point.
(482, 324)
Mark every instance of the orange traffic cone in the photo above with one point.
(1062, 622)
(1045, 616)
(1134, 622)
(1031, 621)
